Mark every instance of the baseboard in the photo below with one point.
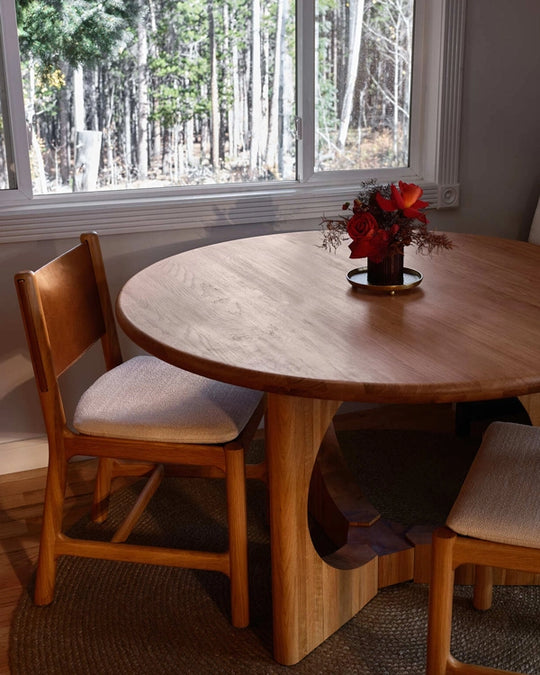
(23, 455)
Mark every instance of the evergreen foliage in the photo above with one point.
(196, 92)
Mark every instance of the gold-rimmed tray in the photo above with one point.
(358, 279)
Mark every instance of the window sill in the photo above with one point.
(54, 218)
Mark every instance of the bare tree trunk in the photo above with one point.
(277, 92)
(156, 143)
(228, 47)
(167, 151)
(108, 132)
(87, 154)
(189, 133)
(180, 154)
(79, 115)
(265, 86)
(235, 126)
(142, 91)
(36, 156)
(214, 94)
(87, 143)
(128, 149)
(64, 147)
(94, 95)
(287, 142)
(356, 24)
(395, 125)
(205, 137)
(256, 87)
(156, 128)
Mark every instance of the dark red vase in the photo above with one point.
(389, 272)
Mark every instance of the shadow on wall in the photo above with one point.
(20, 414)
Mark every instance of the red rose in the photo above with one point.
(361, 225)
(374, 244)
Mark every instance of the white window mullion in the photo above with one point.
(305, 88)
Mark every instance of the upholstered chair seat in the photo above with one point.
(498, 502)
(140, 399)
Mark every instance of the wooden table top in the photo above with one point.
(277, 313)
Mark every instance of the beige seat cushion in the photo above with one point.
(500, 498)
(145, 398)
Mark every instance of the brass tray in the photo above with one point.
(358, 279)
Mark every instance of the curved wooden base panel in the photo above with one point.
(311, 599)
(531, 403)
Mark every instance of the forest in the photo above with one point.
(148, 93)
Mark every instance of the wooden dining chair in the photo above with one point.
(137, 417)
(495, 522)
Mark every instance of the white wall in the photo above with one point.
(500, 185)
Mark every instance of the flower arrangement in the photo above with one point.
(383, 220)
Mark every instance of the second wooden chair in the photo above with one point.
(495, 522)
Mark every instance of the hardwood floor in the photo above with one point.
(21, 503)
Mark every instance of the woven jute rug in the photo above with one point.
(121, 618)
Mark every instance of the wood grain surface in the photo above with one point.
(277, 313)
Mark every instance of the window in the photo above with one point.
(363, 71)
(228, 110)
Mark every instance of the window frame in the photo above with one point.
(16, 136)
(434, 157)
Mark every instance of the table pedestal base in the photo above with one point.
(311, 598)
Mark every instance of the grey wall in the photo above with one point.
(499, 176)
(500, 133)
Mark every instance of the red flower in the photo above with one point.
(368, 239)
(406, 199)
(376, 247)
(361, 225)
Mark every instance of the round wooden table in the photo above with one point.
(276, 313)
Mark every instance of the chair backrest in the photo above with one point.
(66, 308)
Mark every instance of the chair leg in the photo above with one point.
(441, 595)
(483, 587)
(51, 528)
(102, 490)
(237, 523)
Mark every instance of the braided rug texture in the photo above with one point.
(112, 618)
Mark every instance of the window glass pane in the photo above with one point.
(150, 93)
(363, 82)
